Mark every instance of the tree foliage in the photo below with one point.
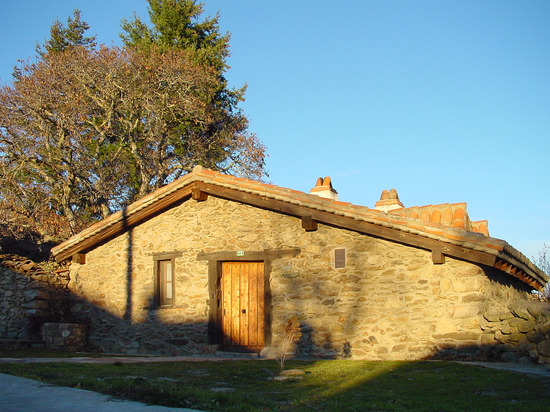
(177, 25)
(86, 130)
(64, 36)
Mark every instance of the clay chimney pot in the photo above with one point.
(323, 188)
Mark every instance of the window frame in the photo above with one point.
(160, 282)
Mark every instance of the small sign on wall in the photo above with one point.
(240, 252)
(339, 258)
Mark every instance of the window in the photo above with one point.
(339, 258)
(165, 282)
(165, 265)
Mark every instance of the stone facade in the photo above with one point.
(389, 301)
(30, 295)
(521, 333)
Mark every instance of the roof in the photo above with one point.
(453, 215)
(431, 227)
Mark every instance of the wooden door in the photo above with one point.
(243, 305)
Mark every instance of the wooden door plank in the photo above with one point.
(253, 305)
(244, 296)
(235, 303)
(226, 302)
(261, 300)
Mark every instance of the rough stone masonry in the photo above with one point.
(389, 301)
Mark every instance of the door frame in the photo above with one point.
(215, 259)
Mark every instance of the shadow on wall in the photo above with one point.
(155, 335)
(328, 305)
(29, 296)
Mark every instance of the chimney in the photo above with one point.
(324, 188)
(388, 201)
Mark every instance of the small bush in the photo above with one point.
(292, 333)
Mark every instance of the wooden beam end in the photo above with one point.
(309, 224)
(198, 195)
(438, 258)
(79, 258)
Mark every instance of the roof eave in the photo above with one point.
(457, 243)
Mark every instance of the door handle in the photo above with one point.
(243, 311)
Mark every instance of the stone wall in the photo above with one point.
(388, 302)
(67, 336)
(29, 295)
(519, 334)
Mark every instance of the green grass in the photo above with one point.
(327, 385)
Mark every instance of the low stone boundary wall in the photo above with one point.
(521, 334)
(67, 336)
(29, 296)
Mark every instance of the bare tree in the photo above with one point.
(543, 262)
(99, 129)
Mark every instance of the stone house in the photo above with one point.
(212, 262)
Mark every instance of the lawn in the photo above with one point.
(327, 385)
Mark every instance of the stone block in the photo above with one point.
(521, 310)
(38, 293)
(445, 325)
(398, 348)
(505, 328)
(534, 337)
(381, 350)
(543, 329)
(473, 297)
(526, 326)
(484, 324)
(526, 346)
(488, 339)
(499, 337)
(543, 348)
(539, 309)
(465, 285)
(506, 316)
(515, 337)
(510, 356)
(465, 311)
(459, 336)
(445, 346)
(526, 360)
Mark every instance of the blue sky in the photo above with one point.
(445, 101)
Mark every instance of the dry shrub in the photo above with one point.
(292, 333)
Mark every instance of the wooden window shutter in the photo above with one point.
(339, 258)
